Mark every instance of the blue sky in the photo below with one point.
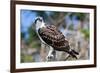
(27, 18)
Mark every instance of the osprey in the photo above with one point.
(49, 35)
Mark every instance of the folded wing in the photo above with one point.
(53, 37)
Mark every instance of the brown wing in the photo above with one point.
(53, 37)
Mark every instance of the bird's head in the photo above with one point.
(39, 23)
(38, 20)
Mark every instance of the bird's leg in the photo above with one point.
(51, 54)
(54, 54)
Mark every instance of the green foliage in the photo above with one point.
(86, 33)
(57, 15)
(32, 35)
(71, 27)
(22, 35)
(26, 58)
(33, 40)
(80, 16)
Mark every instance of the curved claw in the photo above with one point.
(50, 57)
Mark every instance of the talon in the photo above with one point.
(50, 57)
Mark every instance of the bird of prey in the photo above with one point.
(49, 35)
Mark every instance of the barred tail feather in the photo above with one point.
(73, 53)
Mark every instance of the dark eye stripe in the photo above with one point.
(38, 19)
